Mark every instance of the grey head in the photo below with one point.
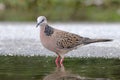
(41, 20)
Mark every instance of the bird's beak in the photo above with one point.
(38, 24)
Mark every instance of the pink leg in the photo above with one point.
(57, 61)
(61, 62)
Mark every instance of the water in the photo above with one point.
(23, 39)
(43, 68)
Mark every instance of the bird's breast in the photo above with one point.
(48, 42)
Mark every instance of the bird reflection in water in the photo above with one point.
(61, 74)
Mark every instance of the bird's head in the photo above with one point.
(41, 20)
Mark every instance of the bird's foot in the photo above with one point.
(61, 62)
(57, 61)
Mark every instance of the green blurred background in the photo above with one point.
(60, 10)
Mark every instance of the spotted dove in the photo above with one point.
(61, 42)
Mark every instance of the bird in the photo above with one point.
(61, 42)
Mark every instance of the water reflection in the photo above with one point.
(61, 74)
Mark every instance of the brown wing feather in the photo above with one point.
(68, 40)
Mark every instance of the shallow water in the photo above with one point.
(43, 68)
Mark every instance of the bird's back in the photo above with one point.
(66, 40)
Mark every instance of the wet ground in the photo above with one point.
(23, 39)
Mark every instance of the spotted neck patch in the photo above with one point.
(48, 30)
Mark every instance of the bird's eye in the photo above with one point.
(42, 20)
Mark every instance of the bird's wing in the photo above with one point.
(66, 40)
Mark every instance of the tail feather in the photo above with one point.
(88, 41)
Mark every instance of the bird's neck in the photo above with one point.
(47, 30)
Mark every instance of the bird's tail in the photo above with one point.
(88, 41)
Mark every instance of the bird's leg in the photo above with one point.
(61, 62)
(57, 61)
